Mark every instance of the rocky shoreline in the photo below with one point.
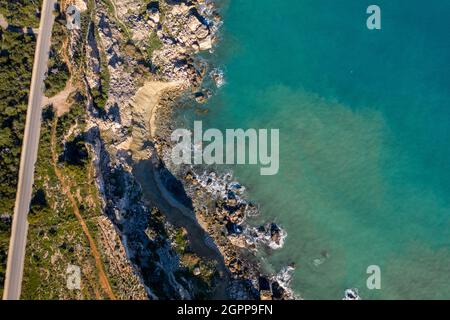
(144, 195)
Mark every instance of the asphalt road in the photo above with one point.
(16, 252)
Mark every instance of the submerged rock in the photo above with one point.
(238, 241)
(270, 235)
(218, 77)
(351, 294)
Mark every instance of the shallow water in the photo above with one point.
(364, 119)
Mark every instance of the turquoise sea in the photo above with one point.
(364, 119)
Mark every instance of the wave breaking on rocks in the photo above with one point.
(230, 213)
(236, 209)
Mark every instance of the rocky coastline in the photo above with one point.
(221, 204)
(143, 194)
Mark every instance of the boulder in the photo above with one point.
(238, 241)
(180, 9)
(235, 265)
(231, 202)
(275, 233)
(200, 97)
(265, 295)
(202, 32)
(189, 176)
(351, 294)
(233, 228)
(205, 44)
(154, 17)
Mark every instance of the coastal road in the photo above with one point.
(16, 252)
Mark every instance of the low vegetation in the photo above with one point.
(58, 71)
(23, 13)
(56, 239)
(153, 43)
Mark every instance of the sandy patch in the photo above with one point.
(145, 105)
(59, 101)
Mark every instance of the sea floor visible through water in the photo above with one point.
(364, 123)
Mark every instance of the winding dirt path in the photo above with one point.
(104, 282)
